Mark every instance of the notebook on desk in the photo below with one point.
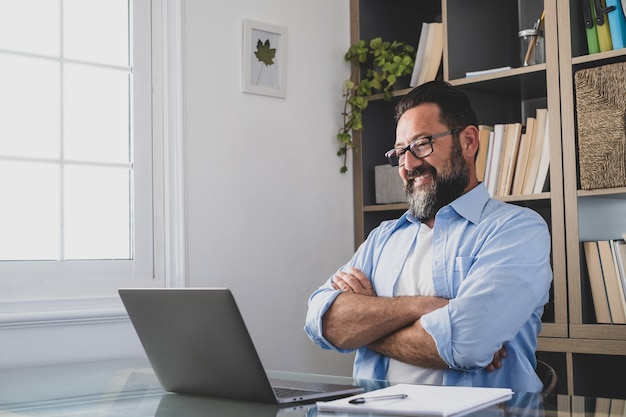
(197, 343)
(421, 401)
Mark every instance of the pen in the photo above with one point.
(362, 400)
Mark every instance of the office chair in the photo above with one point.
(548, 376)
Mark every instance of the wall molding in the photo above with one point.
(170, 155)
(61, 312)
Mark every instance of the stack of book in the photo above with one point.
(429, 55)
(605, 25)
(606, 265)
(513, 159)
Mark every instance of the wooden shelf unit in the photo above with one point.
(589, 215)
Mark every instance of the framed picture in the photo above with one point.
(264, 59)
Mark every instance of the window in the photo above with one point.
(75, 146)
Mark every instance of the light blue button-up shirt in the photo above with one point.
(492, 261)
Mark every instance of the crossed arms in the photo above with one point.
(388, 325)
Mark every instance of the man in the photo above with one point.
(453, 292)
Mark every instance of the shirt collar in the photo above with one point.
(471, 204)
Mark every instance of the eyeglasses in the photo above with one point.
(419, 148)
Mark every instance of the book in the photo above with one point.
(578, 406)
(495, 159)
(544, 160)
(522, 156)
(513, 133)
(433, 53)
(596, 281)
(617, 23)
(614, 289)
(420, 400)
(603, 407)
(483, 147)
(619, 255)
(618, 408)
(419, 55)
(502, 163)
(602, 26)
(536, 148)
(487, 179)
(478, 73)
(590, 26)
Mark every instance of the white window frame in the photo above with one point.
(88, 294)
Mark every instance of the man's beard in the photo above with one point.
(444, 188)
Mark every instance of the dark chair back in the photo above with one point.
(548, 376)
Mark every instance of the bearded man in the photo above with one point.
(452, 292)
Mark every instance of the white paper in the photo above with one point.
(422, 400)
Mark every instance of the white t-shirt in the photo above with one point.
(416, 278)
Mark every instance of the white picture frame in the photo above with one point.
(264, 59)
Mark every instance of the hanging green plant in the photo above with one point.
(380, 64)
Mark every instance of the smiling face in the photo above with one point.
(447, 173)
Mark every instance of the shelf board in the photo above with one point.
(504, 74)
(510, 198)
(521, 83)
(558, 344)
(385, 207)
(594, 58)
(553, 330)
(619, 192)
(599, 331)
(528, 82)
(525, 197)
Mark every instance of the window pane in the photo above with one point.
(30, 26)
(29, 213)
(96, 31)
(96, 114)
(57, 202)
(97, 213)
(29, 107)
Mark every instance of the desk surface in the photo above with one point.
(129, 388)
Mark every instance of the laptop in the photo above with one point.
(197, 343)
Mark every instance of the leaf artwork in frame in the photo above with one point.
(264, 63)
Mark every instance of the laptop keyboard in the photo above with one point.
(282, 392)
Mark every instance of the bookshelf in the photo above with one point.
(479, 35)
(589, 215)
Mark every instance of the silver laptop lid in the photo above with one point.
(197, 342)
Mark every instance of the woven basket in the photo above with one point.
(601, 120)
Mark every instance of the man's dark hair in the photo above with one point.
(455, 108)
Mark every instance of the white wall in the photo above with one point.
(269, 215)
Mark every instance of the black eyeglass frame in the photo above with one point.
(394, 155)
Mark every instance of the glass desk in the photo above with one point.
(129, 388)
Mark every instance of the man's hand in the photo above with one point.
(496, 363)
(353, 281)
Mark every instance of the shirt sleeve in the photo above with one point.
(503, 275)
(321, 300)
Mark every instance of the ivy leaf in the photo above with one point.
(264, 53)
